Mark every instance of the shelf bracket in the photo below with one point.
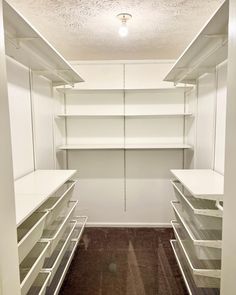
(16, 41)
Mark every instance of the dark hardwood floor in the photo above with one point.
(132, 261)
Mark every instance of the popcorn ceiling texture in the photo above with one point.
(88, 29)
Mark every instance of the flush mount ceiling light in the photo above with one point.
(124, 17)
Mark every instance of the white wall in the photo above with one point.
(43, 116)
(123, 74)
(131, 187)
(207, 130)
(21, 120)
(31, 114)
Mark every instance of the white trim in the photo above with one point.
(141, 61)
(128, 224)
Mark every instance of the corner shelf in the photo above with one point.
(135, 146)
(27, 46)
(202, 183)
(34, 188)
(206, 51)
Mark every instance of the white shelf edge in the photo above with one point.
(80, 90)
(127, 147)
(126, 115)
(201, 183)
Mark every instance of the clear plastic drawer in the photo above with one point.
(54, 232)
(39, 286)
(203, 213)
(29, 233)
(31, 266)
(206, 243)
(57, 203)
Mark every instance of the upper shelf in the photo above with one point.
(127, 146)
(34, 188)
(201, 183)
(69, 90)
(27, 46)
(207, 50)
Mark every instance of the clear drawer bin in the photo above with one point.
(187, 275)
(29, 233)
(57, 203)
(205, 273)
(204, 213)
(53, 262)
(206, 243)
(55, 230)
(39, 286)
(56, 283)
(31, 266)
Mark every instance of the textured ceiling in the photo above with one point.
(88, 29)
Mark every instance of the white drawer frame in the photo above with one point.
(26, 244)
(207, 212)
(205, 243)
(57, 236)
(34, 271)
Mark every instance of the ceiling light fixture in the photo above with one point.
(124, 17)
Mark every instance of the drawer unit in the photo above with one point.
(205, 243)
(187, 275)
(57, 203)
(31, 266)
(203, 213)
(54, 232)
(29, 233)
(205, 273)
(40, 284)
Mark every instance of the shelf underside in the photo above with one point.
(206, 51)
(27, 46)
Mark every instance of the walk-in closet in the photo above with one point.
(117, 147)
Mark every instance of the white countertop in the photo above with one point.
(201, 183)
(33, 189)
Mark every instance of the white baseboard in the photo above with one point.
(127, 224)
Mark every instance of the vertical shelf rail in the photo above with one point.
(125, 163)
(66, 133)
(31, 85)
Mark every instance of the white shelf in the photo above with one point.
(126, 115)
(127, 146)
(69, 90)
(201, 183)
(206, 51)
(30, 48)
(33, 189)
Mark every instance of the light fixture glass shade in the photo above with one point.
(123, 30)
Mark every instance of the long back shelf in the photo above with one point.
(116, 146)
(27, 46)
(76, 90)
(206, 51)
